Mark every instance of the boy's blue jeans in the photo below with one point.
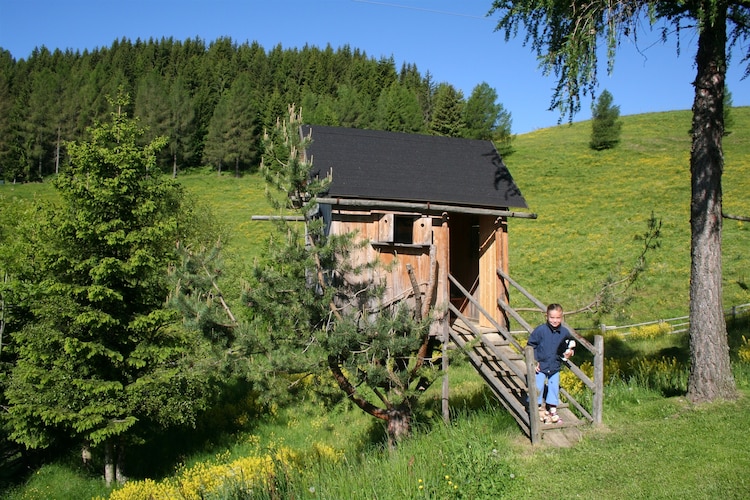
(552, 396)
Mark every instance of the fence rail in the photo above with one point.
(679, 324)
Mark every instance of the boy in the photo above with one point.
(552, 344)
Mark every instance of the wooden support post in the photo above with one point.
(446, 392)
(534, 422)
(598, 399)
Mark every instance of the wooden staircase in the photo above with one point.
(509, 371)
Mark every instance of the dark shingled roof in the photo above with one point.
(378, 165)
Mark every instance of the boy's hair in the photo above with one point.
(554, 307)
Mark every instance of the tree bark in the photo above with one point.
(109, 462)
(710, 370)
(120, 463)
(399, 425)
(398, 418)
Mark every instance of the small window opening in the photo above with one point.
(403, 229)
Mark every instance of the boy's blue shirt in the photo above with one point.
(549, 345)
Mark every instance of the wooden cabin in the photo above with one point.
(437, 208)
(412, 195)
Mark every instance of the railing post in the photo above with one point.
(444, 361)
(598, 399)
(534, 422)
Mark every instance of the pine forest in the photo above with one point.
(213, 100)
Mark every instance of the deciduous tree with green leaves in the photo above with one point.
(102, 360)
(566, 36)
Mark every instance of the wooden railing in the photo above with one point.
(526, 416)
(596, 386)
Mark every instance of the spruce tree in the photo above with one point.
(448, 112)
(102, 361)
(398, 110)
(606, 126)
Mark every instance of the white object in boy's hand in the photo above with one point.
(569, 351)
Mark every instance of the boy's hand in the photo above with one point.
(537, 367)
(568, 353)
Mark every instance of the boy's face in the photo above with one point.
(554, 318)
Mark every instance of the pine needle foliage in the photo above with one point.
(606, 126)
(103, 362)
(314, 307)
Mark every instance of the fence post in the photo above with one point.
(534, 423)
(598, 399)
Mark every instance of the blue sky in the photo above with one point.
(452, 40)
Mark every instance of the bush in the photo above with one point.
(666, 375)
(744, 350)
(648, 332)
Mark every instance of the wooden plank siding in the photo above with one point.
(378, 229)
(428, 233)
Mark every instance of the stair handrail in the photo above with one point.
(500, 329)
(597, 349)
(542, 308)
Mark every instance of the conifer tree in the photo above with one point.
(487, 119)
(314, 308)
(352, 107)
(181, 123)
(448, 112)
(606, 126)
(103, 360)
(398, 110)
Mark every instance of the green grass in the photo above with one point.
(591, 205)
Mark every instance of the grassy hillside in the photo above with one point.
(592, 205)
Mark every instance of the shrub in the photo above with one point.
(575, 386)
(648, 332)
(744, 350)
(213, 479)
(666, 375)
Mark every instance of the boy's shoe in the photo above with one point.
(554, 418)
(543, 414)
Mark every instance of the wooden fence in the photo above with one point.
(677, 325)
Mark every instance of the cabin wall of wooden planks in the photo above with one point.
(380, 230)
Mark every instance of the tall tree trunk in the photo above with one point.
(109, 462)
(710, 370)
(57, 152)
(120, 463)
(399, 425)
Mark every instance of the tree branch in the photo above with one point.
(351, 391)
(735, 217)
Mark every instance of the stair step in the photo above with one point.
(500, 364)
(495, 339)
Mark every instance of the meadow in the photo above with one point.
(592, 207)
